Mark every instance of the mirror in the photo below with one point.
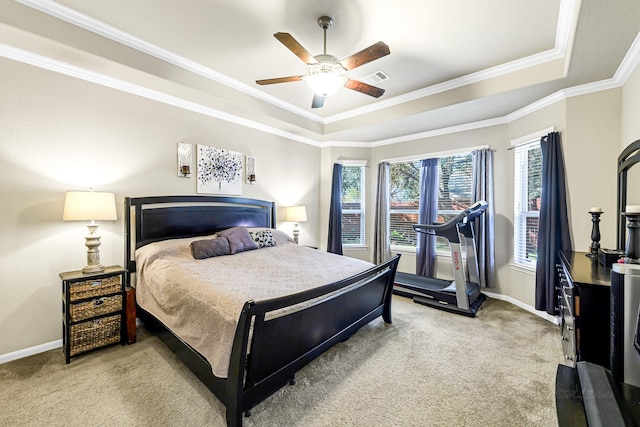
(627, 174)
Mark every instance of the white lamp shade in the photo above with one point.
(296, 214)
(89, 206)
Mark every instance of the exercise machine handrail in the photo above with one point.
(445, 229)
(469, 214)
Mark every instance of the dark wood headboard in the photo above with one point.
(151, 219)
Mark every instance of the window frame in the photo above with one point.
(521, 211)
(362, 165)
(402, 248)
(439, 155)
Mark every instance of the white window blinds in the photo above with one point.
(527, 192)
(353, 207)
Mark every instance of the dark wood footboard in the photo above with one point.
(283, 345)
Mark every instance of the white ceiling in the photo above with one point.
(451, 62)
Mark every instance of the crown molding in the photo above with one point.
(442, 131)
(88, 23)
(479, 76)
(567, 20)
(627, 66)
(67, 14)
(629, 62)
(67, 69)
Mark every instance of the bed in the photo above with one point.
(291, 320)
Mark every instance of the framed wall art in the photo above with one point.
(219, 171)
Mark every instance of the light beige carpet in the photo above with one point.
(429, 368)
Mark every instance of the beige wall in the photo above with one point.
(591, 153)
(57, 134)
(630, 110)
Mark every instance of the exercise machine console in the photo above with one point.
(459, 296)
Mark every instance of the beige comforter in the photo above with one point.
(201, 300)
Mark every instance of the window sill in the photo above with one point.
(413, 251)
(524, 268)
(355, 247)
(403, 250)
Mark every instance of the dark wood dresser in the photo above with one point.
(584, 307)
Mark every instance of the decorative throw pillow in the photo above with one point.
(263, 238)
(201, 249)
(279, 236)
(239, 239)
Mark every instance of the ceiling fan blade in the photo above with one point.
(318, 101)
(369, 54)
(367, 89)
(295, 47)
(279, 80)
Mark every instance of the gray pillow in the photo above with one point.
(239, 239)
(201, 249)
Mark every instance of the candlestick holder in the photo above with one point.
(595, 233)
(632, 250)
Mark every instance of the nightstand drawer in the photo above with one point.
(95, 287)
(95, 333)
(95, 307)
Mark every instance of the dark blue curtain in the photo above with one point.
(427, 214)
(334, 243)
(553, 229)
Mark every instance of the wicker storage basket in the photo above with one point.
(93, 288)
(94, 334)
(95, 307)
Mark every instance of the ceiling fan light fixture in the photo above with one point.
(325, 78)
(327, 74)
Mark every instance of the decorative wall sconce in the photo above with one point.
(251, 169)
(184, 160)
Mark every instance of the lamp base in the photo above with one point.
(296, 233)
(93, 253)
(89, 269)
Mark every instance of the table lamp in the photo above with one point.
(296, 214)
(90, 206)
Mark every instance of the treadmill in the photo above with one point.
(460, 296)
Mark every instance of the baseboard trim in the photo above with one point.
(532, 310)
(4, 358)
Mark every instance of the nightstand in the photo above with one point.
(93, 310)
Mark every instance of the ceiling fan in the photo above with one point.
(326, 74)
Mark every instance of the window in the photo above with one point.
(404, 200)
(527, 189)
(455, 175)
(353, 205)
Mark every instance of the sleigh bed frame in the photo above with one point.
(279, 347)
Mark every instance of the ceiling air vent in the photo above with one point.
(375, 78)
